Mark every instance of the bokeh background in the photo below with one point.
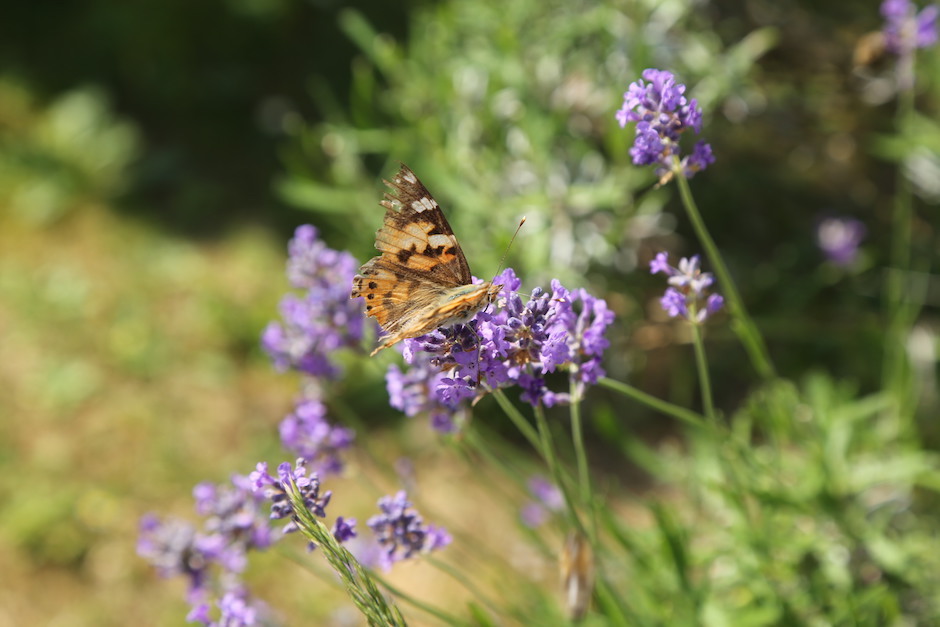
(155, 157)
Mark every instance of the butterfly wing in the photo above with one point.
(416, 236)
(420, 262)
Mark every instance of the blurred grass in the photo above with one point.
(129, 370)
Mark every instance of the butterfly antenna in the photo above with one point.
(503, 259)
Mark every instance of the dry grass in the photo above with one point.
(129, 371)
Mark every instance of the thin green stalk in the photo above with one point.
(554, 467)
(580, 451)
(665, 407)
(427, 608)
(701, 364)
(358, 582)
(742, 323)
(542, 442)
(899, 309)
(518, 419)
(458, 575)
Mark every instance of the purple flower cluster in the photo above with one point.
(320, 320)
(839, 239)
(307, 433)
(315, 324)
(401, 532)
(211, 558)
(235, 609)
(290, 480)
(662, 113)
(687, 289)
(414, 392)
(516, 345)
(548, 500)
(905, 29)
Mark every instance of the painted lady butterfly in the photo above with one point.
(421, 281)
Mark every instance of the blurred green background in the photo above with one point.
(156, 156)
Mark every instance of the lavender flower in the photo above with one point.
(905, 29)
(307, 433)
(662, 113)
(687, 289)
(235, 610)
(344, 529)
(212, 557)
(322, 319)
(401, 531)
(414, 392)
(516, 345)
(174, 548)
(290, 480)
(839, 239)
(548, 500)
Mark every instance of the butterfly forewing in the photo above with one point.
(421, 279)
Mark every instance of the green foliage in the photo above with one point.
(506, 110)
(70, 152)
(803, 514)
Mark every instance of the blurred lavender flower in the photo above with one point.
(234, 525)
(174, 548)
(516, 345)
(235, 610)
(307, 433)
(687, 289)
(905, 29)
(662, 113)
(414, 392)
(344, 529)
(322, 319)
(401, 531)
(548, 500)
(839, 239)
(289, 480)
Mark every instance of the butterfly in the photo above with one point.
(421, 280)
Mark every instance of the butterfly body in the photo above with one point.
(421, 280)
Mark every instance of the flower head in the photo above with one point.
(235, 609)
(344, 529)
(517, 344)
(307, 433)
(213, 556)
(321, 319)
(839, 239)
(905, 29)
(687, 295)
(662, 113)
(290, 481)
(401, 531)
(548, 500)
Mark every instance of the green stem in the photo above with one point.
(358, 582)
(898, 307)
(585, 489)
(554, 467)
(742, 324)
(518, 420)
(665, 407)
(437, 613)
(701, 365)
(542, 442)
(580, 452)
(458, 575)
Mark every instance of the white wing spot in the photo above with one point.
(436, 241)
(410, 177)
(424, 204)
